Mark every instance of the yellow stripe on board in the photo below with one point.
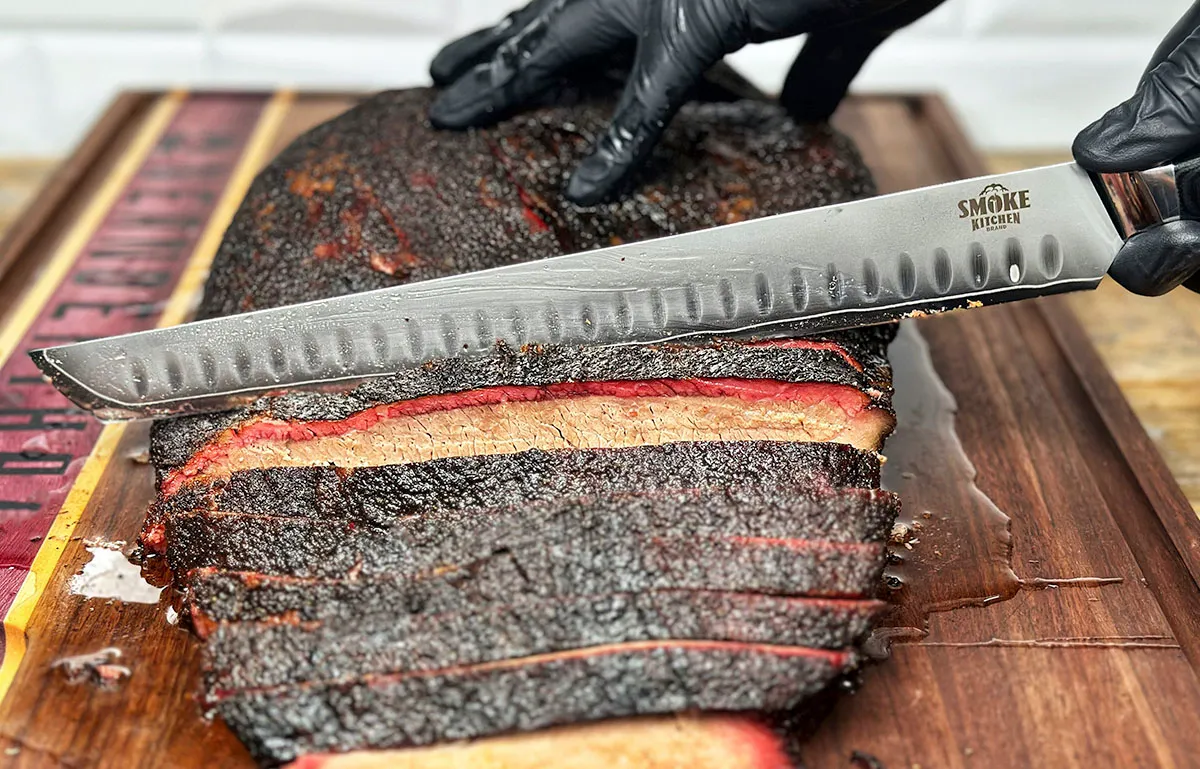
(31, 304)
(254, 156)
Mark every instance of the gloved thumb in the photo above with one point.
(1157, 125)
(1157, 260)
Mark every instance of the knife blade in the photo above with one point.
(962, 244)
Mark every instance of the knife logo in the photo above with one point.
(995, 208)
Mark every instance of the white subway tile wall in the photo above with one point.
(1021, 73)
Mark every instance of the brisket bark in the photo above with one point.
(397, 710)
(246, 656)
(646, 560)
(254, 597)
(375, 197)
(378, 496)
(433, 539)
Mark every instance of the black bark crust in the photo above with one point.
(378, 496)
(279, 724)
(375, 197)
(322, 548)
(246, 656)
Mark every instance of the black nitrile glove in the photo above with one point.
(1159, 125)
(495, 72)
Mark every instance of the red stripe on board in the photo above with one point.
(119, 283)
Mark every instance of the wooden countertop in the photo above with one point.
(1152, 346)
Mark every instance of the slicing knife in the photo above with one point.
(963, 244)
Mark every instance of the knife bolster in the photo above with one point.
(1139, 200)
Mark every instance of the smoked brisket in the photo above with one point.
(378, 496)
(854, 359)
(434, 538)
(543, 536)
(404, 709)
(286, 650)
(375, 197)
(695, 741)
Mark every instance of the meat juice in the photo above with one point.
(951, 547)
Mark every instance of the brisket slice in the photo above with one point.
(856, 361)
(224, 596)
(249, 655)
(379, 495)
(695, 741)
(558, 563)
(310, 547)
(555, 569)
(405, 709)
(570, 415)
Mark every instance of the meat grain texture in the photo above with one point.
(509, 549)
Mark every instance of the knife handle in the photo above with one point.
(1139, 200)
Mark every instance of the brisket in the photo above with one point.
(694, 741)
(378, 496)
(572, 415)
(435, 538)
(855, 360)
(560, 562)
(406, 709)
(287, 651)
(542, 536)
(225, 596)
(374, 197)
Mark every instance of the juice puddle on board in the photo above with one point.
(952, 547)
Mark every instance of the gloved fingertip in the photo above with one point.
(469, 101)
(459, 56)
(442, 68)
(1084, 148)
(1113, 144)
(595, 180)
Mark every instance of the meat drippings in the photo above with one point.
(801, 413)
(952, 546)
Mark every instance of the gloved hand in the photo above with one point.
(494, 72)
(1159, 125)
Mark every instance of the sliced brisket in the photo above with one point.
(378, 496)
(546, 535)
(402, 709)
(286, 650)
(695, 741)
(435, 538)
(855, 360)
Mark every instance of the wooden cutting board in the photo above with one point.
(1068, 636)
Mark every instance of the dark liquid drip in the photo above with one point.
(952, 546)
